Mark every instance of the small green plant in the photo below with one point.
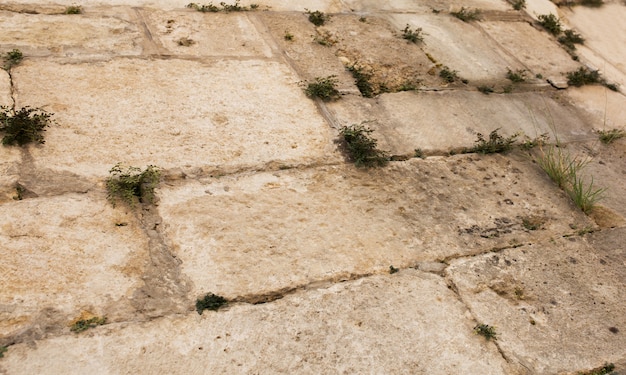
(495, 144)
(584, 195)
(85, 324)
(323, 88)
(413, 36)
(570, 38)
(204, 8)
(467, 15)
(224, 7)
(73, 9)
(185, 42)
(530, 143)
(485, 89)
(592, 3)
(418, 153)
(316, 17)
(507, 89)
(132, 184)
(362, 19)
(607, 369)
(24, 126)
(486, 331)
(583, 76)
(609, 136)
(210, 302)
(288, 36)
(12, 58)
(362, 81)
(361, 147)
(550, 23)
(393, 270)
(19, 192)
(517, 76)
(611, 86)
(519, 4)
(449, 75)
(324, 39)
(3, 349)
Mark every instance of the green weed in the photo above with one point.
(132, 184)
(413, 36)
(519, 4)
(449, 75)
(323, 88)
(185, 42)
(485, 89)
(495, 144)
(85, 324)
(210, 302)
(224, 7)
(467, 15)
(486, 331)
(570, 38)
(607, 369)
(609, 136)
(584, 195)
(288, 36)
(362, 81)
(550, 23)
(3, 349)
(73, 9)
(592, 3)
(12, 58)
(316, 17)
(583, 76)
(24, 126)
(361, 147)
(517, 76)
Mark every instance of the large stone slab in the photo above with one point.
(253, 235)
(172, 113)
(557, 306)
(9, 156)
(406, 323)
(605, 109)
(449, 120)
(5, 89)
(429, 5)
(62, 256)
(93, 36)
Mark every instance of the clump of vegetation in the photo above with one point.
(132, 184)
(361, 147)
(73, 9)
(413, 36)
(19, 192)
(530, 143)
(550, 23)
(519, 4)
(12, 58)
(495, 144)
(224, 7)
(485, 330)
(592, 3)
(362, 81)
(316, 17)
(449, 75)
(467, 15)
(288, 36)
(485, 89)
(324, 39)
(517, 76)
(186, 42)
(583, 76)
(24, 126)
(85, 324)
(609, 136)
(607, 369)
(210, 302)
(393, 269)
(570, 38)
(323, 88)
(566, 171)
(3, 349)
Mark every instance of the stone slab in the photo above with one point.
(5, 89)
(450, 120)
(605, 109)
(208, 34)
(557, 306)
(252, 235)
(9, 156)
(93, 36)
(406, 323)
(534, 8)
(428, 6)
(172, 113)
(64, 255)
(534, 49)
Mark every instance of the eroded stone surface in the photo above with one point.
(253, 235)
(172, 113)
(61, 256)
(556, 297)
(408, 322)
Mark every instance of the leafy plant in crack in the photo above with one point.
(550, 23)
(11, 59)
(210, 302)
(186, 42)
(316, 17)
(224, 7)
(393, 269)
(323, 88)
(362, 81)
(583, 76)
(609, 136)
(85, 324)
(607, 369)
(570, 38)
(517, 76)
(495, 144)
(592, 3)
(361, 147)
(467, 15)
(530, 143)
(73, 9)
(413, 36)
(132, 184)
(3, 349)
(519, 4)
(486, 331)
(449, 75)
(485, 89)
(24, 126)
(288, 36)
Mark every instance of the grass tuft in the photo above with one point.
(609, 136)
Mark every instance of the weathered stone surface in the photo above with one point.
(62, 256)
(605, 109)
(449, 120)
(194, 33)
(250, 236)
(535, 8)
(556, 305)
(172, 113)
(71, 35)
(5, 89)
(428, 5)
(406, 323)
(9, 156)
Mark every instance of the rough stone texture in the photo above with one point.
(562, 294)
(382, 329)
(427, 6)
(232, 113)
(62, 256)
(252, 236)
(5, 89)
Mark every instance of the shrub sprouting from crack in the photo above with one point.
(132, 185)
(323, 88)
(316, 17)
(210, 302)
(224, 7)
(494, 144)
(23, 126)
(413, 36)
(487, 331)
(11, 59)
(467, 15)
(85, 324)
(361, 147)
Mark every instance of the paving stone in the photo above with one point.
(605, 109)
(206, 34)
(92, 36)
(556, 306)
(449, 120)
(253, 235)
(172, 113)
(534, 8)
(5, 89)
(63, 256)
(405, 323)
(429, 5)
(9, 156)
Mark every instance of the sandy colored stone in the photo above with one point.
(195, 33)
(427, 6)
(535, 8)
(606, 109)
(5, 89)
(71, 35)
(253, 235)
(556, 305)
(62, 255)
(172, 113)
(406, 323)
